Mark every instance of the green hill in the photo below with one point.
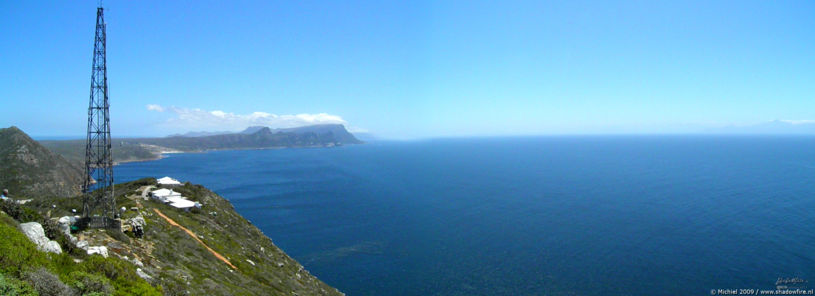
(29, 169)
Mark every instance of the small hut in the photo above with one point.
(167, 181)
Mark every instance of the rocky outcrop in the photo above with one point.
(36, 234)
(143, 274)
(101, 250)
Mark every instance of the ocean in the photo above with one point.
(560, 215)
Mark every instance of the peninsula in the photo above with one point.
(257, 137)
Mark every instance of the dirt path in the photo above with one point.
(219, 256)
(145, 190)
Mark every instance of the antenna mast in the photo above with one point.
(98, 183)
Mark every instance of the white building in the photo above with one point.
(174, 199)
(163, 195)
(168, 181)
(183, 204)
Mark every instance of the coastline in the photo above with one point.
(161, 154)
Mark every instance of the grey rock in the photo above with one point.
(138, 221)
(101, 250)
(137, 262)
(64, 220)
(53, 247)
(82, 245)
(36, 234)
(143, 274)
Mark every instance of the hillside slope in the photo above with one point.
(29, 169)
(185, 265)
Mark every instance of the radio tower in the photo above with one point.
(98, 184)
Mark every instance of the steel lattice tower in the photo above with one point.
(98, 184)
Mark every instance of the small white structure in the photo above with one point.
(168, 181)
(164, 195)
(174, 199)
(182, 204)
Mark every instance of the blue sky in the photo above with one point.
(412, 69)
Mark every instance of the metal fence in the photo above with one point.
(98, 222)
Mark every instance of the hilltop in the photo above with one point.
(141, 149)
(30, 169)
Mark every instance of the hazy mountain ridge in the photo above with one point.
(198, 134)
(780, 127)
(141, 149)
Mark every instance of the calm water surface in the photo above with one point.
(638, 215)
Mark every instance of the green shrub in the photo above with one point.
(28, 215)
(108, 267)
(87, 284)
(121, 274)
(7, 220)
(19, 212)
(96, 275)
(51, 229)
(11, 208)
(13, 287)
(18, 252)
(136, 288)
(144, 182)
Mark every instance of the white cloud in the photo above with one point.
(795, 122)
(185, 119)
(218, 113)
(154, 107)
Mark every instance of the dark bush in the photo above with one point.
(118, 235)
(46, 283)
(11, 208)
(19, 212)
(51, 229)
(144, 182)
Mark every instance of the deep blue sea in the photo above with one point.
(589, 215)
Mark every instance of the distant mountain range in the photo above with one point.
(324, 135)
(199, 134)
(336, 129)
(256, 137)
(778, 127)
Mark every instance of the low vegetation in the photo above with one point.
(24, 270)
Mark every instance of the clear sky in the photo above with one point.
(411, 69)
